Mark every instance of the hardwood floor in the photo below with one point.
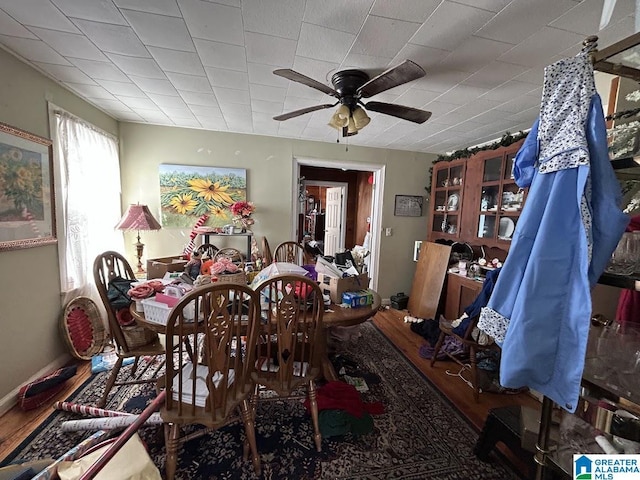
(16, 424)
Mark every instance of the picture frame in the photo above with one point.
(408, 206)
(27, 210)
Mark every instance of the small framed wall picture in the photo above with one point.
(408, 206)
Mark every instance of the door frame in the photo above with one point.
(343, 206)
(375, 230)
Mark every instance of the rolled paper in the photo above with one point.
(88, 410)
(106, 423)
(51, 472)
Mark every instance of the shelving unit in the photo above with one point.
(617, 60)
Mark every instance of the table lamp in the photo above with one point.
(138, 217)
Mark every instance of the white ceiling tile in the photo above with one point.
(266, 107)
(112, 105)
(12, 28)
(98, 11)
(231, 95)
(212, 21)
(462, 94)
(221, 55)
(142, 67)
(99, 70)
(160, 30)
(428, 58)
(138, 104)
(296, 103)
(478, 106)
(408, 10)
(154, 116)
(491, 5)
(90, 91)
(494, 74)
(416, 98)
(440, 79)
(122, 88)
(337, 14)
(167, 101)
(539, 46)
(154, 85)
(163, 7)
(508, 91)
(189, 122)
(450, 25)
(268, 93)
(372, 65)
(370, 42)
(440, 108)
(291, 129)
(263, 75)
(197, 98)
(206, 111)
(34, 50)
(131, 117)
(70, 44)
(299, 90)
(616, 31)
(220, 77)
(584, 18)
(36, 13)
(64, 73)
(507, 26)
(176, 112)
(113, 38)
(317, 69)
(212, 123)
(281, 18)
(189, 83)
(234, 111)
(474, 54)
(324, 44)
(270, 50)
(177, 61)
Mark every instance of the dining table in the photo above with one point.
(334, 316)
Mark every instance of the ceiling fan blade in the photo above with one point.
(309, 82)
(302, 111)
(407, 113)
(403, 73)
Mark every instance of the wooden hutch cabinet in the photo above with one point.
(475, 201)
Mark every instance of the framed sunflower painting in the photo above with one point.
(189, 192)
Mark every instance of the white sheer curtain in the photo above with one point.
(88, 195)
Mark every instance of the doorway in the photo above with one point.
(325, 214)
(370, 219)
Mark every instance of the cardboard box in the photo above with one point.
(157, 267)
(335, 287)
(361, 298)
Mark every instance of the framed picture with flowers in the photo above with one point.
(27, 216)
(188, 193)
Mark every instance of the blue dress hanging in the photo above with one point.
(540, 308)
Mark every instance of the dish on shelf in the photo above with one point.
(453, 201)
(441, 208)
(506, 228)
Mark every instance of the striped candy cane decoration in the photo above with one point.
(88, 410)
(29, 217)
(192, 242)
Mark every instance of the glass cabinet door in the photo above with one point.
(447, 200)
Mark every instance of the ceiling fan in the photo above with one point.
(350, 87)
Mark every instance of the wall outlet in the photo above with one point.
(388, 231)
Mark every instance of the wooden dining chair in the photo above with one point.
(470, 344)
(289, 355)
(267, 257)
(291, 252)
(130, 340)
(208, 377)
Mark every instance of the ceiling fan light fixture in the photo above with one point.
(360, 118)
(343, 112)
(351, 127)
(337, 122)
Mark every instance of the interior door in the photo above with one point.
(333, 221)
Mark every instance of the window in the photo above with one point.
(87, 199)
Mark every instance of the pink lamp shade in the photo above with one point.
(138, 217)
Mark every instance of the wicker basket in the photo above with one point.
(239, 278)
(82, 328)
(137, 336)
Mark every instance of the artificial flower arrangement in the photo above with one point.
(219, 267)
(242, 212)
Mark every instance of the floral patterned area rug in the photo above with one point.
(419, 436)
